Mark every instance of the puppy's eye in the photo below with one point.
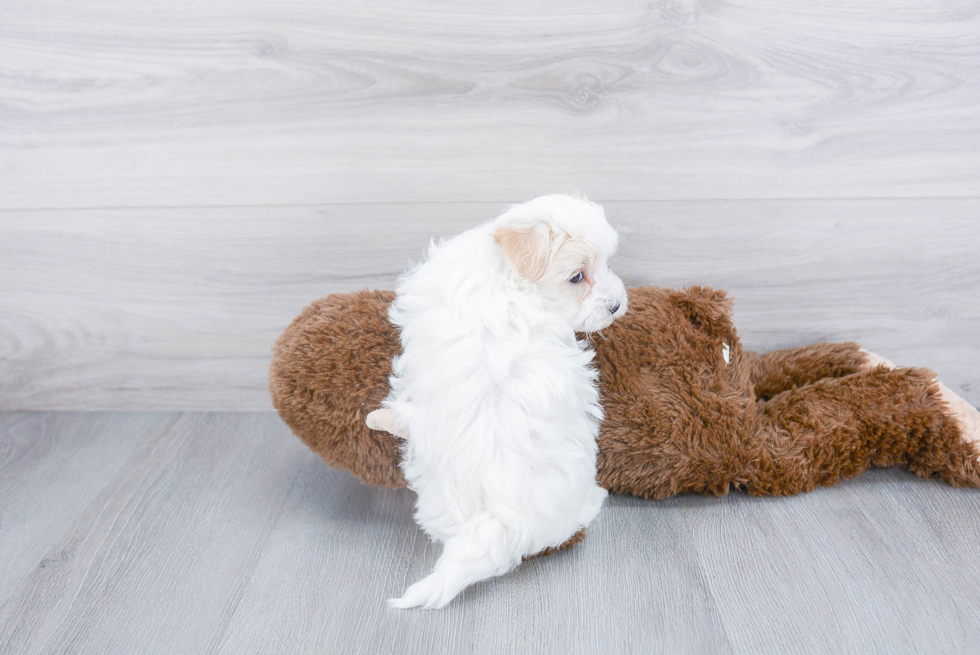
(578, 278)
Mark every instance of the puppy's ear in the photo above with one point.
(526, 246)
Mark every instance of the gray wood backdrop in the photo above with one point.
(178, 179)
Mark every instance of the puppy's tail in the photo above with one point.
(482, 549)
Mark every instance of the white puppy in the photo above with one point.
(495, 396)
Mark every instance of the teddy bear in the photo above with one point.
(686, 409)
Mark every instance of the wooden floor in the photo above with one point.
(221, 533)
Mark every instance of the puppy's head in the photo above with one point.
(562, 244)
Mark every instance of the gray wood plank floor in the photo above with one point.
(221, 533)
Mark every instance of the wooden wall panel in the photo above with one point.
(178, 308)
(178, 179)
(111, 104)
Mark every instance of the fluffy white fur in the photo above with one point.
(493, 393)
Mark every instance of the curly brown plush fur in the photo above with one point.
(679, 418)
(330, 369)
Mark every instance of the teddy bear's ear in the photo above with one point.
(705, 308)
(527, 246)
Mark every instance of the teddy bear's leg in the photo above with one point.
(781, 370)
(965, 414)
(835, 428)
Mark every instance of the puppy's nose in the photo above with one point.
(614, 309)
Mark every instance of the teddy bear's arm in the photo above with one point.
(778, 371)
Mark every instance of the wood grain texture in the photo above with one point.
(223, 534)
(578, 601)
(178, 308)
(154, 562)
(52, 466)
(848, 569)
(179, 103)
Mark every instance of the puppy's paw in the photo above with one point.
(385, 420)
(966, 416)
(872, 360)
(428, 593)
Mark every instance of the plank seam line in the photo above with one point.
(11, 210)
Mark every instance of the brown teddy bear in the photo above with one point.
(686, 409)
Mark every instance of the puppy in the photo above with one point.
(493, 393)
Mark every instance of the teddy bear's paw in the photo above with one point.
(872, 360)
(965, 415)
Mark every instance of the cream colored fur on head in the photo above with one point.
(493, 393)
